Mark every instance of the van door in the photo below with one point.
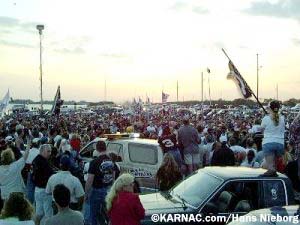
(144, 163)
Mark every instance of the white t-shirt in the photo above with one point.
(273, 133)
(252, 164)
(70, 181)
(85, 171)
(256, 129)
(237, 149)
(11, 179)
(151, 129)
(32, 154)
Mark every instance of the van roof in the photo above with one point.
(136, 140)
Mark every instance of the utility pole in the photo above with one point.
(257, 78)
(208, 71)
(40, 28)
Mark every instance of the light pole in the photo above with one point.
(208, 71)
(257, 77)
(40, 28)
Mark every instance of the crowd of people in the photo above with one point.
(42, 173)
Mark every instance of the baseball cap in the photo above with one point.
(223, 139)
(35, 140)
(66, 147)
(9, 139)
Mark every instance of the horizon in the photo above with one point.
(205, 102)
(140, 48)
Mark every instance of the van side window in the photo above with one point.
(274, 193)
(117, 150)
(88, 151)
(141, 153)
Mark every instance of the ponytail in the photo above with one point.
(275, 118)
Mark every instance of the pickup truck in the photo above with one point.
(218, 191)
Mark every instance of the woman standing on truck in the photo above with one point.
(273, 142)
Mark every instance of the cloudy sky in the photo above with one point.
(143, 46)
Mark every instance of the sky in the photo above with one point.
(141, 47)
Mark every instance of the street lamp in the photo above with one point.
(40, 28)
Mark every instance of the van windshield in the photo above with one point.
(196, 188)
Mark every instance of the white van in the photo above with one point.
(140, 157)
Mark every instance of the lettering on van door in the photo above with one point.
(140, 172)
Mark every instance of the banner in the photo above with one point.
(57, 103)
(237, 77)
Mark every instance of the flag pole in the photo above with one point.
(259, 103)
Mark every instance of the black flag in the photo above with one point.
(237, 77)
(57, 103)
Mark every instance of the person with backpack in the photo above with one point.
(101, 175)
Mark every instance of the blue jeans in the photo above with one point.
(273, 148)
(86, 212)
(43, 203)
(30, 188)
(97, 202)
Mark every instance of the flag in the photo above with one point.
(4, 103)
(57, 103)
(164, 97)
(148, 100)
(237, 77)
(134, 101)
(208, 70)
(140, 100)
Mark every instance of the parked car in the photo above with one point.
(220, 191)
(286, 215)
(296, 107)
(140, 157)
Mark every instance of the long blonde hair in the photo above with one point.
(275, 118)
(123, 180)
(7, 156)
(274, 106)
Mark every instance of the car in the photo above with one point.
(286, 215)
(296, 107)
(140, 157)
(219, 191)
